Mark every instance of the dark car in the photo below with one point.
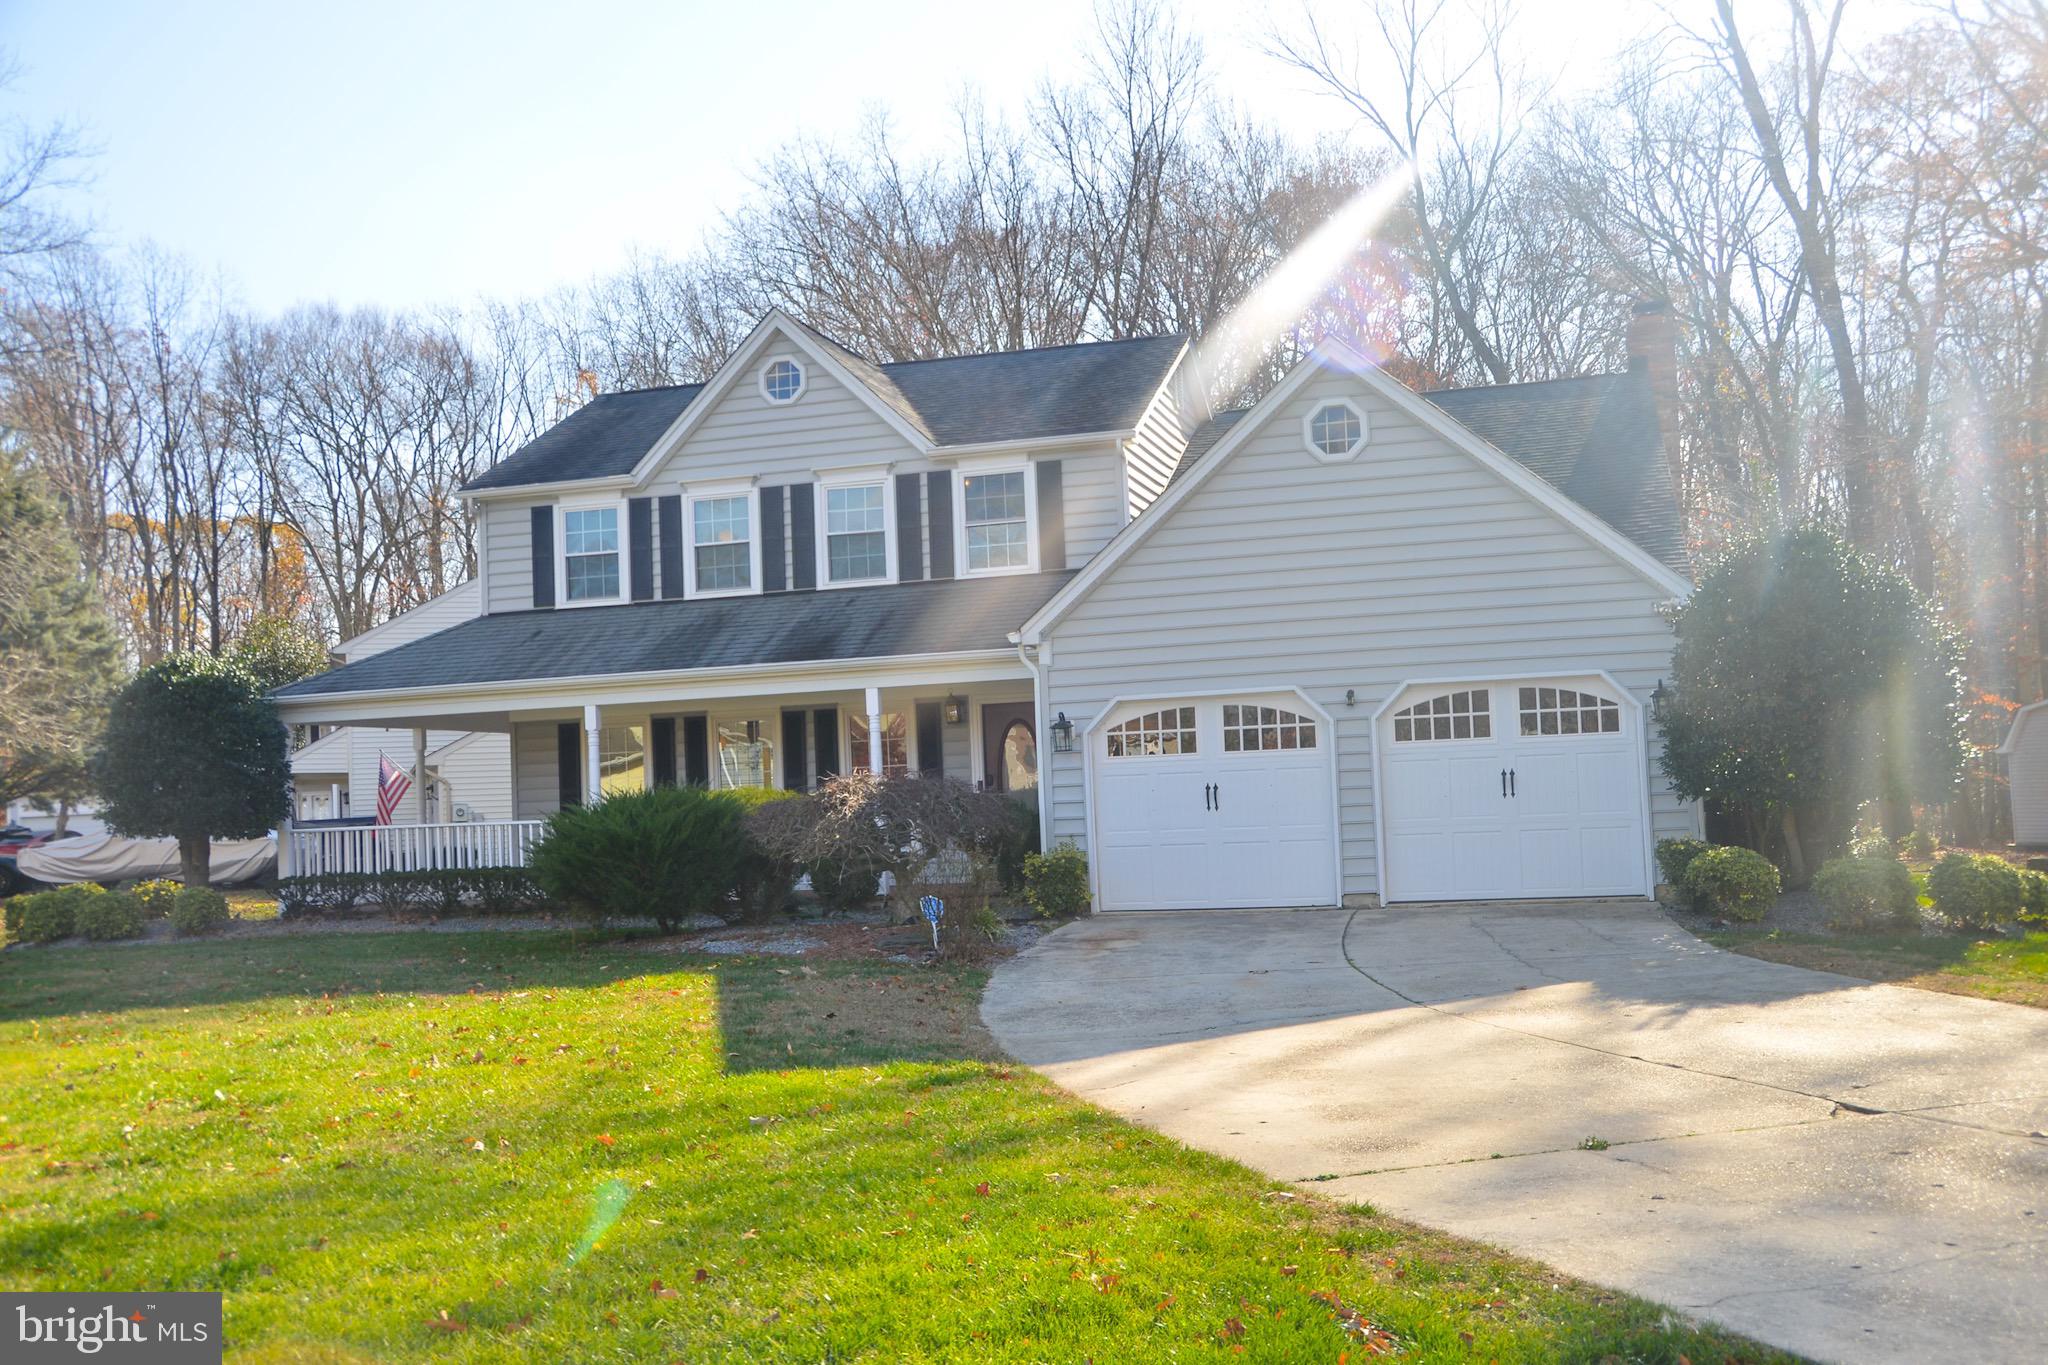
(15, 838)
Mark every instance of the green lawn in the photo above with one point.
(2013, 970)
(519, 1147)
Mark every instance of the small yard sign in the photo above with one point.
(934, 911)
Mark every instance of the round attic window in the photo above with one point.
(1334, 431)
(782, 381)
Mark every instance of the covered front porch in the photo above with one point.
(972, 720)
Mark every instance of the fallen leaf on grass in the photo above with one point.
(702, 1275)
(660, 1290)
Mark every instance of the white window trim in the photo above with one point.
(854, 759)
(966, 471)
(562, 509)
(717, 493)
(821, 519)
(803, 377)
(1308, 430)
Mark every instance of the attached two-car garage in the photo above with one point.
(1530, 788)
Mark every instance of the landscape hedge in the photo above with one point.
(474, 890)
(1868, 892)
(1737, 883)
(1976, 890)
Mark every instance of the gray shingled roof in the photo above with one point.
(1596, 440)
(959, 400)
(943, 616)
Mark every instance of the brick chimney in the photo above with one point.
(1653, 351)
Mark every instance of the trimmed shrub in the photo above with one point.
(1920, 843)
(1056, 883)
(1868, 892)
(198, 910)
(485, 890)
(765, 881)
(118, 914)
(1737, 883)
(1022, 844)
(1975, 891)
(2034, 897)
(665, 854)
(47, 916)
(1674, 856)
(155, 896)
(504, 890)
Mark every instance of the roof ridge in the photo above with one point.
(1032, 350)
(1525, 383)
(651, 388)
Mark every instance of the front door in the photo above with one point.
(1009, 747)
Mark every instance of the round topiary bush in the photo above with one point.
(1056, 883)
(1674, 856)
(155, 896)
(1975, 891)
(198, 910)
(1868, 892)
(1737, 883)
(115, 915)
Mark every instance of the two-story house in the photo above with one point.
(1351, 643)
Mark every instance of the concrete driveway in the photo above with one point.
(1850, 1171)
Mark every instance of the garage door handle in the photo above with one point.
(1503, 784)
(1219, 796)
(1208, 796)
(1511, 782)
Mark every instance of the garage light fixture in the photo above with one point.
(1063, 735)
(956, 710)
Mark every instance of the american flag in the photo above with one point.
(393, 782)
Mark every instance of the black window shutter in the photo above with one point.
(938, 487)
(569, 763)
(909, 528)
(794, 776)
(543, 556)
(931, 740)
(661, 738)
(672, 554)
(1052, 516)
(825, 734)
(803, 538)
(696, 751)
(773, 577)
(640, 556)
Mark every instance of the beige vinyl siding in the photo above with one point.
(1154, 450)
(1411, 562)
(479, 774)
(537, 788)
(506, 525)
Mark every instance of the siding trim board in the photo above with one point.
(1334, 358)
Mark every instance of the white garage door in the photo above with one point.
(1206, 804)
(1522, 789)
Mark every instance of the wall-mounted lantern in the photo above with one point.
(956, 710)
(1659, 697)
(1063, 735)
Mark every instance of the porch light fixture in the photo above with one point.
(956, 710)
(1063, 735)
(1659, 695)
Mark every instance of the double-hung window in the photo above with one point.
(592, 558)
(722, 544)
(856, 533)
(996, 517)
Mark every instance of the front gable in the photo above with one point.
(734, 430)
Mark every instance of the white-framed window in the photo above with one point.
(746, 754)
(1166, 733)
(1566, 711)
(854, 532)
(1334, 431)
(621, 759)
(1252, 729)
(723, 552)
(995, 521)
(895, 743)
(782, 380)
(1452, 715)
(590, 559)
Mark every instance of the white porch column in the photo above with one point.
(419, 775)
(874, 703)
(334, 800)
(593, 770)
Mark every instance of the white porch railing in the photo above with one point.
(409, 848)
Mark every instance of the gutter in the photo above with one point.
(1038, 725)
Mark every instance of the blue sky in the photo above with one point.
(411, 154)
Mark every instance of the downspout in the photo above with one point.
(1038, 727)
